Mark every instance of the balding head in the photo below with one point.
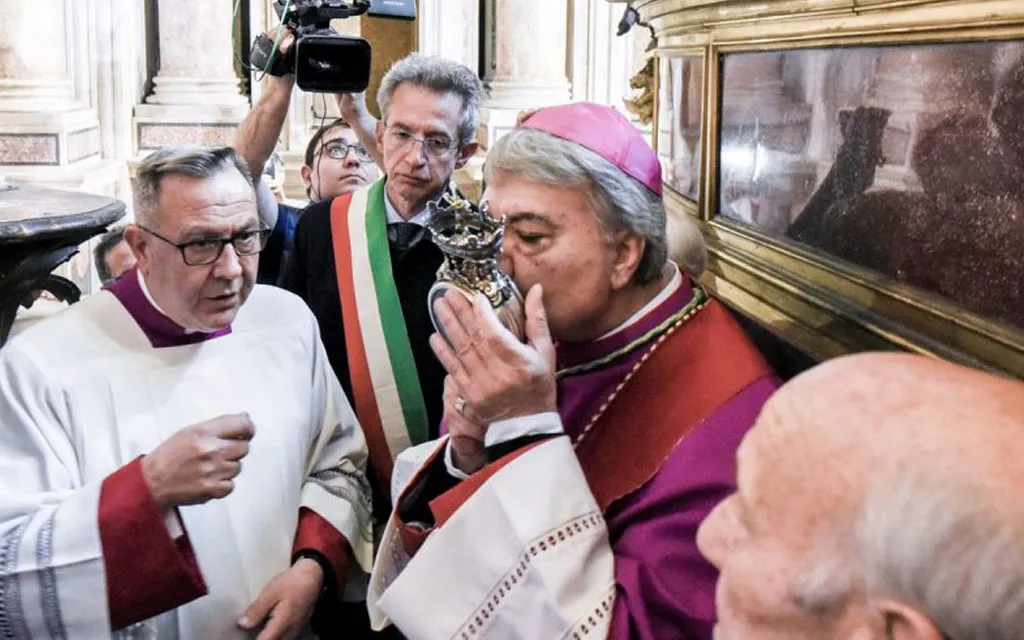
(882, 483)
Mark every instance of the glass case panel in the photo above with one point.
(680, 111)
(905, 159)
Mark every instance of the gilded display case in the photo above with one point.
(856, 167)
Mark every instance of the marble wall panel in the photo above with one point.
(29, 149)
(156, 136)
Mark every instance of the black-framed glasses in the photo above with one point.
(436, 146)
(197, 253)
(338, 149)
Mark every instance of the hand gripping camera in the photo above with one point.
(322, 60)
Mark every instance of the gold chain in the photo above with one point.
(618, 389)
(700, 297)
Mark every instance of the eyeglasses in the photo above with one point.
(435, 146)
(197, 253)
(338, 149)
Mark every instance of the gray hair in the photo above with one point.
(189, 161)
(620, 201)
(442, 76)
(948, 552)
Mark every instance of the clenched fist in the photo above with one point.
(199, 462)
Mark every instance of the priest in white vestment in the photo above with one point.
(179, 462)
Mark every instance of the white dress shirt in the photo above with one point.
(393, 216)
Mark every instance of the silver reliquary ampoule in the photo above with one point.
(471, 242)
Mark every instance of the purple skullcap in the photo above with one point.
(604, 131)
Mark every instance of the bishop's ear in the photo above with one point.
(629, 251)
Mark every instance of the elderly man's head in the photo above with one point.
(196, 234)
(580, 191)
(430, 107)
(878, 497)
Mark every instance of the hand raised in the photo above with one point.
(498, 376)
(198, 463)
(352, 106)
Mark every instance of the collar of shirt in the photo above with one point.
(673, 285)
(393, 216)
(150, 300)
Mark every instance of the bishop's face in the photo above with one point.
(199, 297)
(554, 238)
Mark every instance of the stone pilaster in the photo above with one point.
(526, 45)
(46, 134)
(196, 96)
(450, 28)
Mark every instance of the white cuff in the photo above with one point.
(537, 424)
(453, 471)
(173, 523)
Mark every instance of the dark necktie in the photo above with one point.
(405, 235)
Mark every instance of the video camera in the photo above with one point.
(322, 60)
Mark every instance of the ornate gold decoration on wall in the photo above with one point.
(862, 163)
(642, 104)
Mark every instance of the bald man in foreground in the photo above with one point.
(879, 496)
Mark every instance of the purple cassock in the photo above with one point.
(666, 589)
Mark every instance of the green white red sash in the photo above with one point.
(385, 385)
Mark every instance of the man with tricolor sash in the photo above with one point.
(364, 261)
(565, 500)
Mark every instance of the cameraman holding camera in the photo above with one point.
(340, 157)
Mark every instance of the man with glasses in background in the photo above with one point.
(179, 459)
(364, 263)
(336, 162)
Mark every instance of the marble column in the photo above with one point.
(526, 52)
(47, 135)
(450, 28)
(196, 96)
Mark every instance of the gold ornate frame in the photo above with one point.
(822, 305)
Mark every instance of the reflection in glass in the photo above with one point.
(908, 160)
(679, 120)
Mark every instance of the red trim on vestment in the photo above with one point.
(134, 536)
(412, 536)
(445, 505)
(314, 533)
(697, 370)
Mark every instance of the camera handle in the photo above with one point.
(260, 57)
